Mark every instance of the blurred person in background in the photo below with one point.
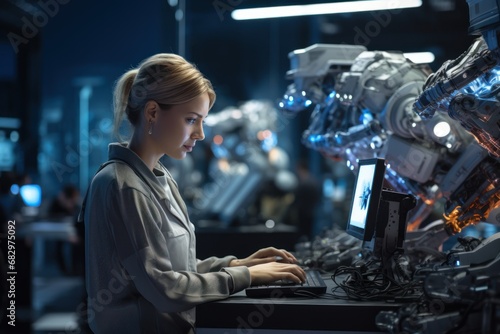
(66, 204)
(65, 207)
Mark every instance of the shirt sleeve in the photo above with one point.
(214, 263)
(142, 250)
(239, 275)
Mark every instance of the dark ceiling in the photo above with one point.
(10, 13)
(437, 24)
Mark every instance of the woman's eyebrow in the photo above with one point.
(199, 115)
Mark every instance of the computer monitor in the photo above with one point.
(378, 216)
(366, 199)
(31, 194)
(32, 200)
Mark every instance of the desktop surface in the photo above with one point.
(293, 313)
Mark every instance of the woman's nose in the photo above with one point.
(199, 134)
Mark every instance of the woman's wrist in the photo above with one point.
(235, 263)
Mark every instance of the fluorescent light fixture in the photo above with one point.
(323, 8)
(420, 57)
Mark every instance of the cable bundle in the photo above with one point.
(371, 281)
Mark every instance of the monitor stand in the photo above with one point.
(387, 244)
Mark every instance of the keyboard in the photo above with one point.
(314, 285)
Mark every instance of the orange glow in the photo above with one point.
(261, 135)
(223, 165)
(218, 140)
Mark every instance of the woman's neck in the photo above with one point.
(144, 150)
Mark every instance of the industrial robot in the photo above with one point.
(440, 135)
(467, 90)
(362, 108)
(247, 160)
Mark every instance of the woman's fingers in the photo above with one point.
(281, 255)
(273, 271)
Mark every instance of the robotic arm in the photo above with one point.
(467, 89)
(247, 157)
(366, 111)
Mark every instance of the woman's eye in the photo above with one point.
(191, 120)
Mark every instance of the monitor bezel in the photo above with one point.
(367, 233)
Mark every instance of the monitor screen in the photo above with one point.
(366, 199)
(31, 195)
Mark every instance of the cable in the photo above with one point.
(368, 284)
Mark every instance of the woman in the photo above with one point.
(142, 271)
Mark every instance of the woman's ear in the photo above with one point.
(150, 110)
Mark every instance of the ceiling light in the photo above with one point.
(324, 8)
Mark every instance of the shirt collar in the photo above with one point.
(120, 151)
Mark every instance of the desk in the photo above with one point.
(297, 313)
(55, 230)
(42, 232)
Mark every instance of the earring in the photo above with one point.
(150, 131)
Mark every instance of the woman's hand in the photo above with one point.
(265, 255)
(273, 271)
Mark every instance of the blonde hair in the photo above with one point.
(166, 78)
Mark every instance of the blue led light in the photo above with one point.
(330, 96)
(365, 117)
(14, 189)
(483, 84)
(295, 101)
(219, 151)
(269, 142)
(314, 138)
(31, 194)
